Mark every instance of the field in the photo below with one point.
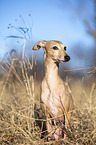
(20, 96)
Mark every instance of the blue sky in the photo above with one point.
(61, 20)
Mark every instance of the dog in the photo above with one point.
(56, 99)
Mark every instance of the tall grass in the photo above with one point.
(20, 92)
(17, 99)
(17, 103)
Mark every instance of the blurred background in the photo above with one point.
(73, 22)
(22, 24)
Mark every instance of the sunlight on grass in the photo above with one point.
(20, 112)
(18, 98)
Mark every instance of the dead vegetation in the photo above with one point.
(20, 92)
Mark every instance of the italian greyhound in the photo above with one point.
(56, 99)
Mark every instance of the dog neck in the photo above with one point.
(51, 70)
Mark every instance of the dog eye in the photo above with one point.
(55, 48)
(65, 48)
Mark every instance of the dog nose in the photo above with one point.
(67, 57)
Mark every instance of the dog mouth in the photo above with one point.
(66, 58)
(58, 60)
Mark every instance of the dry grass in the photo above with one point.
(18, 97)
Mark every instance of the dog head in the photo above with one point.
(54, 50)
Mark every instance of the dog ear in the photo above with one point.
(39, 44)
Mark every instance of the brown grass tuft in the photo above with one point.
(19, 93)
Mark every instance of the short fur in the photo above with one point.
(56, 98)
